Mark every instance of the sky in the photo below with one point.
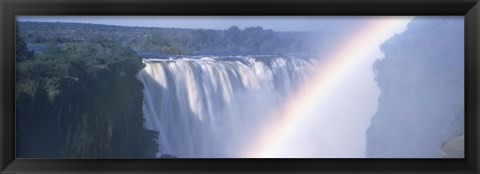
(346, 111)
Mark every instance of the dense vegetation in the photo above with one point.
(251, 40)
(81, 99)
(421, 80)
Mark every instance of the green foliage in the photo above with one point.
(21, 50)
(173, 51)
(168, 40)
(82, 100)
(154, 42)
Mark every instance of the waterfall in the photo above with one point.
(211, 107)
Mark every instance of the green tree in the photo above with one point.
(82, 100)
(21, 50)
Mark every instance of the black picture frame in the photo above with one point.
(470, 9)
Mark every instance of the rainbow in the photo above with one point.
(332, 70)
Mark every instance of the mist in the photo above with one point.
(337, 127)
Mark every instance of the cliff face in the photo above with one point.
(82, 101)
(421, 79)
(454, 148)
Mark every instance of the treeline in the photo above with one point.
(251, 40)
(80, 100)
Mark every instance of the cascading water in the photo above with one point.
(212, 107)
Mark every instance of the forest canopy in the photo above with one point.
(168, 41)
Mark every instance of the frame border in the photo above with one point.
(470, 9)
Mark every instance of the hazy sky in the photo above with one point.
(277, 23)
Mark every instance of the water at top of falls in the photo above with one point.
(212, 106)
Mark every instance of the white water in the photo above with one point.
(211, 107)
